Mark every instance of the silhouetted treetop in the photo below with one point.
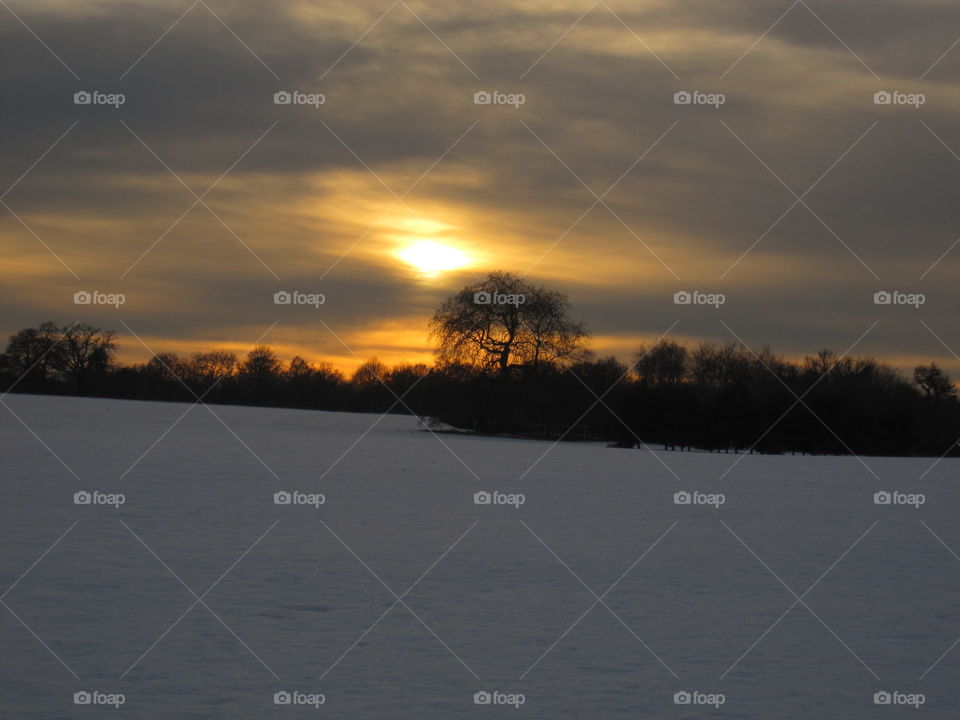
(505, 322)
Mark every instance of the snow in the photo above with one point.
(305, 592)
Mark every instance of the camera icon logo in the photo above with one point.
(482, 98)
(82, 698)
(82, 498)
(682, 498)
(282, 98)
(482, 698)
(682, 297)
(482, 498)
(682, 98)
(882, 97)
(282, 297)
(882, 698)
(282, 498)
(82, 297)
(482, 298)
(282, 698)
(82, 98)
(682, 698)
(882, 298)
(882, 498)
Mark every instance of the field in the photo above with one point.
(382, 589)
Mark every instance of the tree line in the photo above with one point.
(510, 360)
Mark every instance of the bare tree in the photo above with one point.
(663, 364)
(823, 363)
(370, 374)
(934, 382)
(87, 351)
(301, 371)
(35, 353)
(713, 365)
(504, 322)
(166, 366)
(203, 370)
(261, 367)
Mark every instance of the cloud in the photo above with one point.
(398, 152)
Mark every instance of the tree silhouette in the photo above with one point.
(504, 322)
(370, 374)
(934, 382)
(663, 364)
(88, 351)
(35, 353)
(259, 374)
(725, 398)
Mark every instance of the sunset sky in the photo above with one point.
(399, 189)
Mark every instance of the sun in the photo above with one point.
(432, 258)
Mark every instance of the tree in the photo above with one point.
(262, 367)
(299, 371)
(822, 363)
(405, 375)
(165, 367)
(663, 364)
(715, 365)
(87, 351)
(934, 382)
(35, 353)
(259, 376)
(505, 322)
(371, 373)
(325, 373)
(302, 372)
(203, 371)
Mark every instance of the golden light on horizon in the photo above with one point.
(432, 258)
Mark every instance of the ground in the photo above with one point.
(582, 587)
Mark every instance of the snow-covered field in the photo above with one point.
(598, 597)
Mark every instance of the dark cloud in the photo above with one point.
(514, 185)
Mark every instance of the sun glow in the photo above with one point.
(432, 258)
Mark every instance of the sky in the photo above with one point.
(784, 187)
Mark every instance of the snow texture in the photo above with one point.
(597, 597)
